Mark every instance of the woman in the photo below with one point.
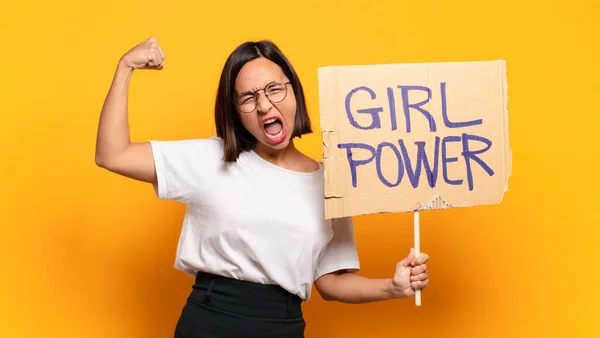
(254, 234)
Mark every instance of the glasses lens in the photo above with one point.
(276, 92)
(246, 103)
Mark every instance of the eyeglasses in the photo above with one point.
(275, 91)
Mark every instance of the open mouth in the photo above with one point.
(274, 129)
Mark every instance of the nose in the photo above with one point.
(263, 105)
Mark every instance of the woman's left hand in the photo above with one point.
(411, 275)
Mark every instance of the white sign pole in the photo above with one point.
(417, 252)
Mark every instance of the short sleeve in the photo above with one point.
(340, 253)
(184, 166)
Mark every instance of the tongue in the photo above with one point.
(273, 128)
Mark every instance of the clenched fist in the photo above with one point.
(411, 275)
(146, 55)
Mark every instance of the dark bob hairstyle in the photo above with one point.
(229, 127)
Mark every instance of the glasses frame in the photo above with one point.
(263, 89)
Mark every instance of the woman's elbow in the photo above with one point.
(325, 285)
(100, 161)
(327, 296)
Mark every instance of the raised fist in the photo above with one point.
(146, 55)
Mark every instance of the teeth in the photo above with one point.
(270, 120)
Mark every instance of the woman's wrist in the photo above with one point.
(393, 290)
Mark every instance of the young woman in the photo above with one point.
(254, 234)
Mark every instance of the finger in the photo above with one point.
(411, 256)
(419, 284)
(423, 257)
(153, 59)
(162, 54)
(418, 278)
(149, 60)
(418, 269)
(158, 59)
(154, 49)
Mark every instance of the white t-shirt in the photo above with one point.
(251, 220)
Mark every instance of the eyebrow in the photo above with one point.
(246, 93)
(252, 92)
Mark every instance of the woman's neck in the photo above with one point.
(279, 157)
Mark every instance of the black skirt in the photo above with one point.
(220, 307)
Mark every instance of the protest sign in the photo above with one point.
(412, 137)
(406, 137)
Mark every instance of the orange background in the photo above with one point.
(86, 253)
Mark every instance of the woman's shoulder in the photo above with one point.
(206, 147)
(310, 164)
(306, 164)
